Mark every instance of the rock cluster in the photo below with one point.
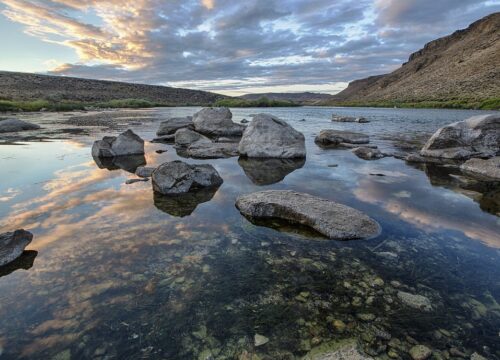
(127, 143)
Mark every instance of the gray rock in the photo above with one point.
(177, 177)
(171, 125)
(339, 350)
(144, 171)
(270, 137)
(367, 153)
(340, 118)
(217, 122)
(269, 171)
(420, 352)
(337, 138)
(415, 301)
(12, 245)
(15, 125)
(333, 220)
(186, 137)
(133, 181)
(244, 121)
(478, 136)
(260, 340)
(210, 150)
(127, 143)
(486, 169)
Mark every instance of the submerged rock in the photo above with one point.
(186, 137)
(171, 125)
(127, 143)
(12, 245)
(367, 153)
(216, 121)
(487, 169)
(15, 125)
(420, 352)
(331, 219)
(415, 301)
(270, 137)
(210, 150)
(177, 177)
(340, 118)
(337, 137)
(269, 171)
(341, 350)
(260, 340)
(478, 136)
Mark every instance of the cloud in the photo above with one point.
(225, 45)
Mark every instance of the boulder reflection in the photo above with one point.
(25, 262)
(128, 163)
(183, 204)
(269, 171)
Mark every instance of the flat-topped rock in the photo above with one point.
(331, 219)
(186, 137)
(342, 118)
(270, 137)
(210, 150)
(12, 245)
(487, 169)
(478, 136)
(367, 153)
(332, 137)
(15, 125)
(171, 125)
(177, 177)
(127, 143)
(216, 122)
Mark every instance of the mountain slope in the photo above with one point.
(462, 66)
(28, 87)
(299, 98)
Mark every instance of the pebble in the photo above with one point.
(260, 340)
(132, 181)
(420, 352)
(339, 325)
(161, 151)
(476, 356)
(365, 316)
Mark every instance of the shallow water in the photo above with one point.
(123, 274)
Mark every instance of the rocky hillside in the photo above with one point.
(305, 98)
(28, 87)
(462, 66)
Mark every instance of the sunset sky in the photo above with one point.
(226, 46)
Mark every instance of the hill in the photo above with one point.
(462, 70)
(304, 98)
(24, 87)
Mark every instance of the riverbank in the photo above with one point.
(471, 104)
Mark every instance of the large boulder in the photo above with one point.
(186, 137)
(12, 245)
(331, 219)
(342, 118)
(478, 136)
(487, 169)
(210, 150)
(127, 143)
(171, 125)
(336, 138)
(15, 125)
(216, 122)
(177, 177)
(269, 171)
(269, 137)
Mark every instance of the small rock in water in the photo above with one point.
(260, 340)
(160, 151)
(420, 352)
(476, 356)
(333, 165)
(365, 316)
(133, 181)
(12, 245)
(339, 325)
(15, 125)
(415, 301)
(367, 153)
(244, 121)
(144, 171)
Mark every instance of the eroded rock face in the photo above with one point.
(177, 177)
(210, 150)
(127, 143)
(186, 137)
(216, 122)
(478, 136)
(270, 137)
(15, 125)
(269, 171)
(331, 219)
(367, 153)
(170, 126)
(337, 138)
(12, 245)
(341, 118)
(487, 169)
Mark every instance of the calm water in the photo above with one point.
(119, 273)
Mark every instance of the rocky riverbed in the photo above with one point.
(116, 270)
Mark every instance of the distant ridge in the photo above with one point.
(28, 87)
(462, 66)
(304, 98)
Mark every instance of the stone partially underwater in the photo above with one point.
(125, 144)
(12, 245)
(333, 220)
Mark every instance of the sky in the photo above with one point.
(226, 46)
